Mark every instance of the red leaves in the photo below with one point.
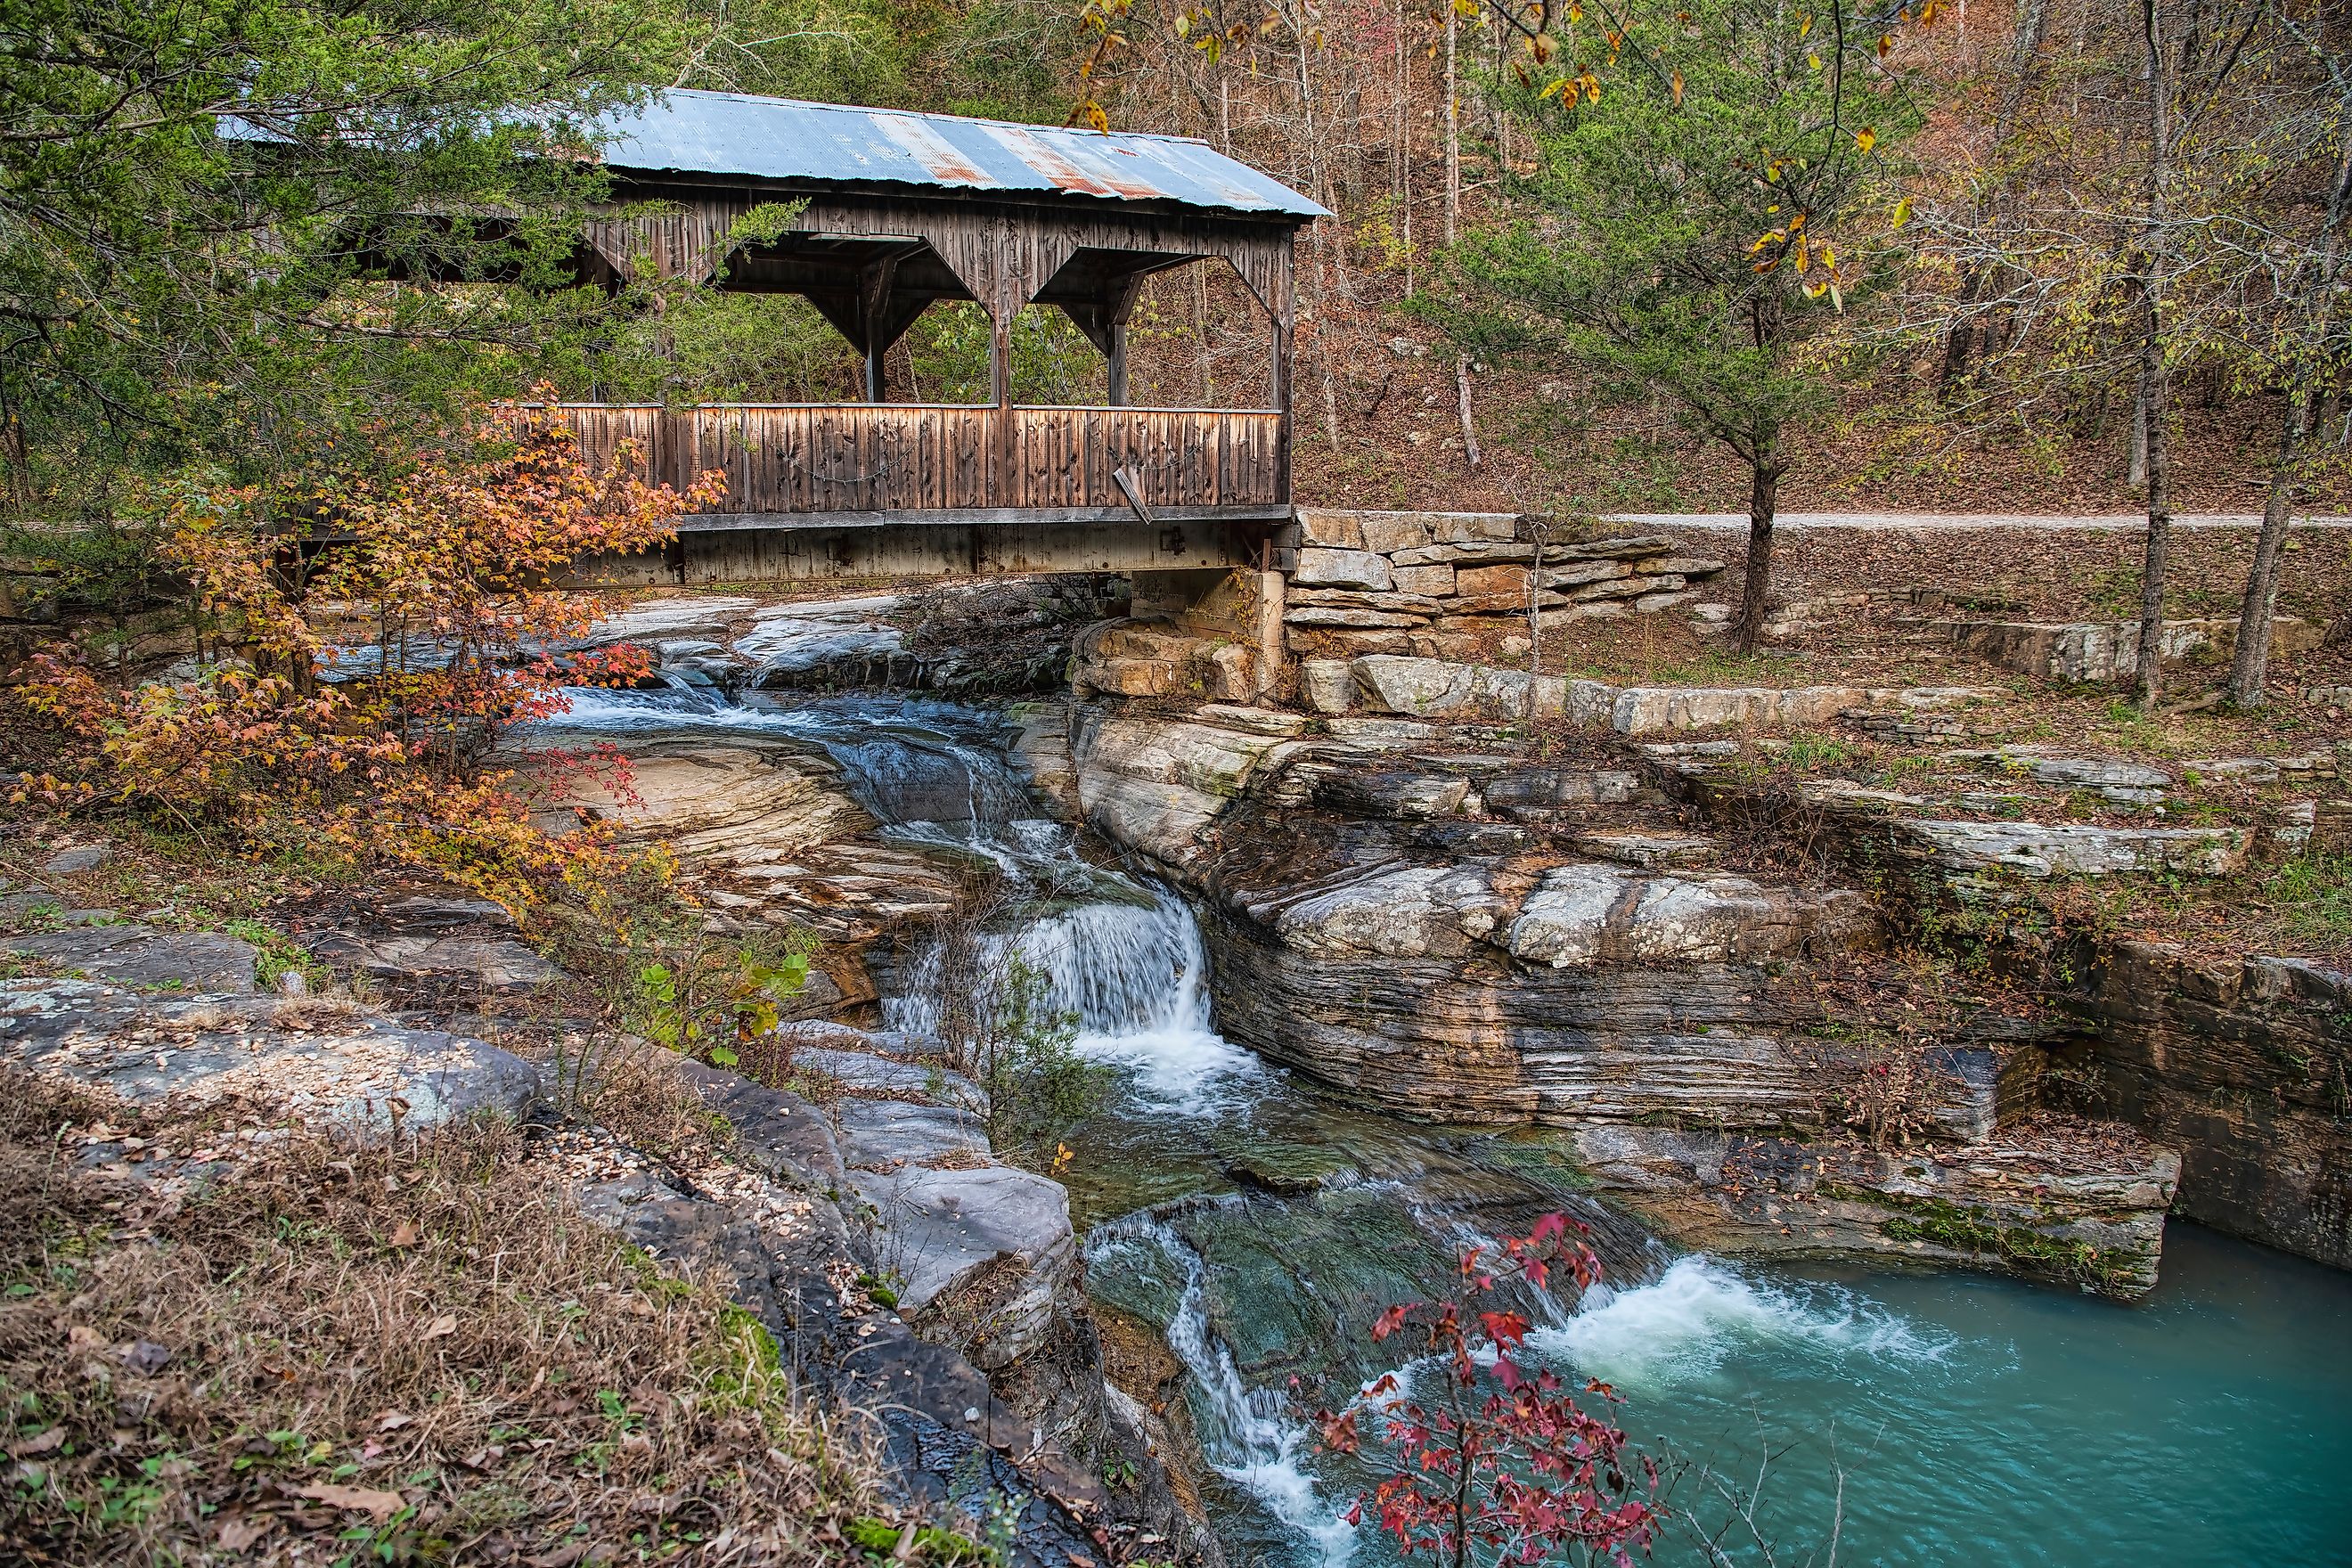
(1505, 1328)
(1520, 1472)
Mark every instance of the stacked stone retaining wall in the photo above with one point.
(1402, 582)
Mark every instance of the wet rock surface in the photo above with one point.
(1546, 944)
(790, 1219)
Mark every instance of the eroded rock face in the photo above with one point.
(1586, 915)
(1155, 784)
(2066, 1211)
(1429, 921)
(2242, 1064)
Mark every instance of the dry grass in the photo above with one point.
(344, 1356)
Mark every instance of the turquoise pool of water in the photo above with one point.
(1984, 1423)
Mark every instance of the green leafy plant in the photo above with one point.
(1036, 1082)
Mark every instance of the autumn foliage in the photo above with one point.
(364, 692)
(1498, 1463)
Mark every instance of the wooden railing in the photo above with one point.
(819, 462)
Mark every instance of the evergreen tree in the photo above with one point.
(1713, 189)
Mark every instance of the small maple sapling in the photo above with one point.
(1498, 1463)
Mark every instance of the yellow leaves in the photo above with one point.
(1885, 45)
(1814, 61)
(1183, 23)
(1676, 84)
(1466, 9)
(1586, 87)
(1865, 138)
(1805, 25)
(1900, 213)
(1575, 13)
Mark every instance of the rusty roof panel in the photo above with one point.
(747, 137)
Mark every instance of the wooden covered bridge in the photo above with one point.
(904, 209)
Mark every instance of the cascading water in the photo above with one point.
(1246, 1435)
(1933, 1419)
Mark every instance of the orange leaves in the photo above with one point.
(364, 704)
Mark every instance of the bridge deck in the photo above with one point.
(833, 465)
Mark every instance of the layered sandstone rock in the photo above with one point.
(1425, 918)
(2245, 1066)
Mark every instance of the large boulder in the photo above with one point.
(324, 1064)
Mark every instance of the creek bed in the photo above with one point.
(1924, 1418)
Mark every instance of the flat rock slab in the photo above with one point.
(856, 1071)
(498, 964)
(1656, 709)
(430, 913)
(939, 1227)
(2053, 850)
(77, 858)
(295, 1058)
(1631, 846)
(142, 956)
(881, 1135)
(776, 1131)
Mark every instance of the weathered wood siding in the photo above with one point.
(897, 457)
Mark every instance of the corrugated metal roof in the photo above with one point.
(689, 131)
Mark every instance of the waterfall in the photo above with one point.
(1136, 976)
(1245, 1435)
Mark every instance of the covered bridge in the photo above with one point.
(903, 209)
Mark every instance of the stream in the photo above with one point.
(1259, 1225)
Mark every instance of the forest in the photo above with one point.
(1774, 811)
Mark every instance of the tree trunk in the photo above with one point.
(1763, 501)
(1462, 394)
(2306, 415)
(2251, 665)
(1453, 132)
(2155, 372)
(2136, 463)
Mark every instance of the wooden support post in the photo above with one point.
(1007, 490)
(1280, 391)
(873, 307)
(1116, 379)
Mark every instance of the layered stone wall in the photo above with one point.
(2245, 1066)
(1408, 582)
